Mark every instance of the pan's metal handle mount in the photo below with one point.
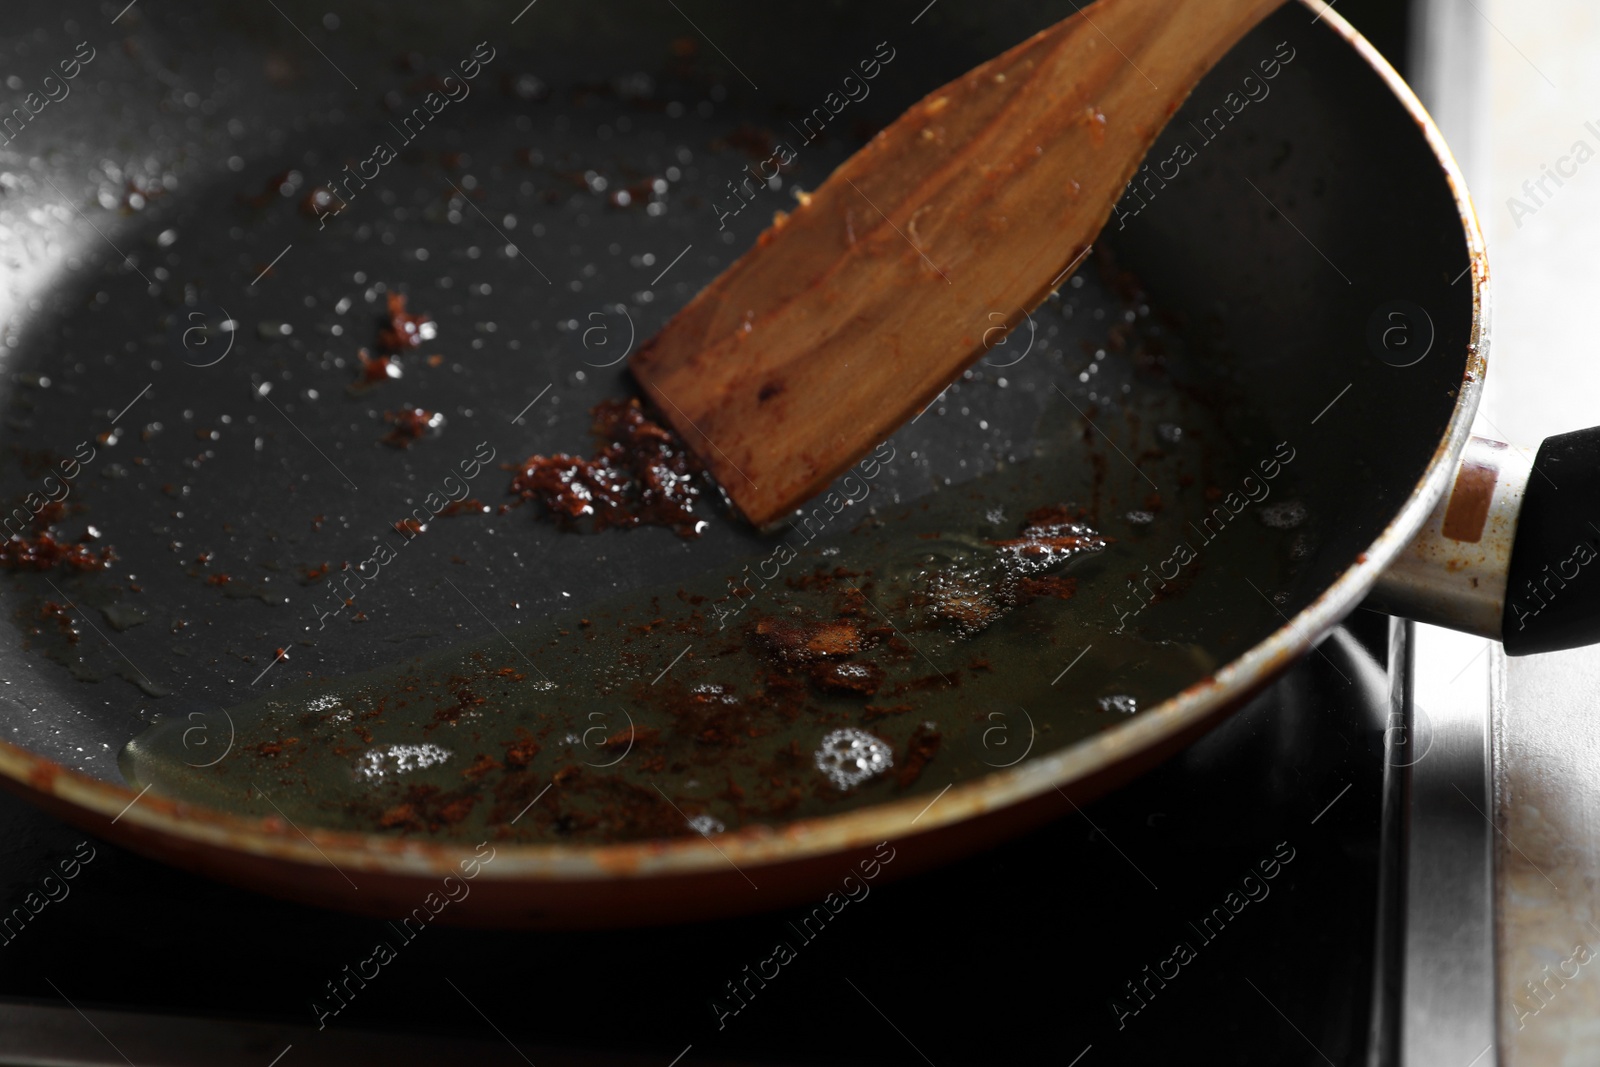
(1511, 551)
(1453, 574)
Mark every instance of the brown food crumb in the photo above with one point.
(375, 369)
(481, 766)
(520, 752)
(920, 750)
(1050, 536)
(403, 330)
(1052, 531)
(633, 735)
(466, 700)
(51, 611)
(642, 474)
(1048, 585)
(401, 815)
(428, 807)
(968, 605)
(883, 711)
(838, 638)
(43, 552)
(409, 424)
(456, 810)
(794, 642)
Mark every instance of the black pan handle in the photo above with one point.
(1512, 552)
(1552, 597)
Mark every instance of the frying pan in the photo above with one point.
(164, 266)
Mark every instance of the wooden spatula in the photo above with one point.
(853, 313)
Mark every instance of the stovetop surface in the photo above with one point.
(1142, 928)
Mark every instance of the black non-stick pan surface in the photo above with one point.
(182, 327)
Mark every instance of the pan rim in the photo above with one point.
(186, 826)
